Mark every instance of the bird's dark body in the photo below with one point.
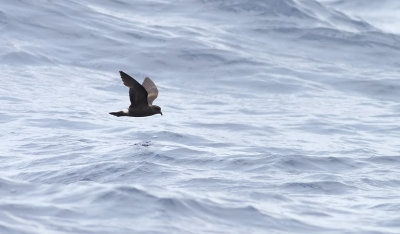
(135, 112)
(141, 97)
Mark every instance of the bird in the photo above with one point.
(141, 97)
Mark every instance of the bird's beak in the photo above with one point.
(161, 113)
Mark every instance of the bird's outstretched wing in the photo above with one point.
(151, 88)
(137, 93)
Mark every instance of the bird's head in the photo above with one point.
(156, 109)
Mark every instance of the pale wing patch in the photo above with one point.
(151, 89)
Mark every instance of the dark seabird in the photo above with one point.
(142, 97)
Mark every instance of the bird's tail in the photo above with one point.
(118, 113)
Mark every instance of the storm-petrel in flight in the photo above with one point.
(142, 97)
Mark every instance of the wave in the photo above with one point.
(307, 20)
(276, 112)
(321, 187)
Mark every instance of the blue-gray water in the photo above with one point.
(280, 116)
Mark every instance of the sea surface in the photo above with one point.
(280, 116)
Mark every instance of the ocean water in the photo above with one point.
(280, 116)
